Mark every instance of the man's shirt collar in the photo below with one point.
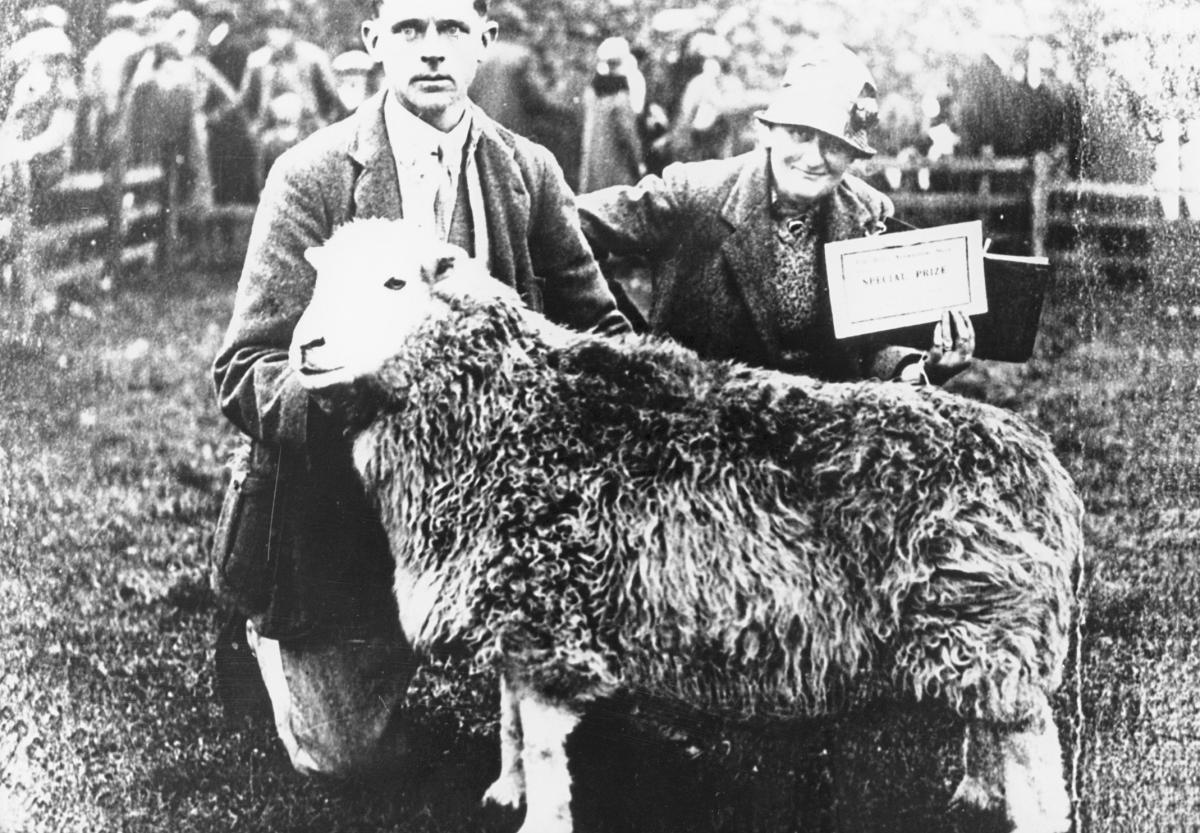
(413, 139)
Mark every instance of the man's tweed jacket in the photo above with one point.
(707, 229)
(297, 542)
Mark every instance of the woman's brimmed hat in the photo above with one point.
(828, 89)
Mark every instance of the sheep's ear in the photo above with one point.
(441, 266)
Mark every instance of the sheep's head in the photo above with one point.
(378, 281)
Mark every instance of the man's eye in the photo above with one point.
(395, 283)
(407, 32)
(455, 29)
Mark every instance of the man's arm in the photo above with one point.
(574, 291)
(634, 220)
(255, 386)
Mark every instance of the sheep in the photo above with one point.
(598, 516)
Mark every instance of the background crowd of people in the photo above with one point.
(228, 86)
(225, 87)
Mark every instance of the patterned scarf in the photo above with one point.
(798, 292)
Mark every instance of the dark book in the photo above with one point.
(1016, 287)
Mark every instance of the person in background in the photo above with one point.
(37, 132)
(702, 128)
(736, 245)
(299, 551)
(511, 86)
(289, 89)
(231, 149)
(150, 120)
(612, 148)
(227, 45)
(210, 98)
(355, 72)
(39, 120)
(107, 69)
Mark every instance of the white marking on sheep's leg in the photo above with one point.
(1034, 790)
(1019, 772)
(981, 788)
(545, 729)
(508, 790)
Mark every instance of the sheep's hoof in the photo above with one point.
(506, 792)
(973, 796)
(974, 809)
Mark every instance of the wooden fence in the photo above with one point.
(91, 231)
(84, 233)
(1028, 207)
(88, 236)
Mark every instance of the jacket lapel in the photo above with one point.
(376, 189)
(505, 198)
(750, 250)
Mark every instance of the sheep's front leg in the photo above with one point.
(1017, 772)
(545, 729)
(508, 790)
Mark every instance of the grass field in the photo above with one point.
(110, 479)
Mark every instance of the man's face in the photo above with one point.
(430, 51)
(806, 164)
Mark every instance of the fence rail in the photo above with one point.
(1026, 207)
(96, 228)
(1036, 210)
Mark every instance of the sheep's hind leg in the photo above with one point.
(1017, 772)
(508, 790)
(545, 728)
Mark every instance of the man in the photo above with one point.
(298, 549)
(356, 77)
(511, 85)
(736, 245)
(106, 72)
(289, 88)
(37, 129)
(231, 148)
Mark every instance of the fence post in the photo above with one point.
(112, 189)
(168, 241)
(1039, 202)
(985, 183)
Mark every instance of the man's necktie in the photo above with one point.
(444, 196)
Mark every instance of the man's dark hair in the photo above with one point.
(371, 7)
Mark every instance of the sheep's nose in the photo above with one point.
(312, 344)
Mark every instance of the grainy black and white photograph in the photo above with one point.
(514, 416)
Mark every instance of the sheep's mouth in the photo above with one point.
(310, 370)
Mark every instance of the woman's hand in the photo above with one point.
(953, 347)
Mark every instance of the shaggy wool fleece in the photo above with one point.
(624, 515)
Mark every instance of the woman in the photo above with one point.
(611, 147)
(736, 245)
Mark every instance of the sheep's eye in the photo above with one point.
(395, 283)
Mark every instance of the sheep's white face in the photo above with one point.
(377, 282)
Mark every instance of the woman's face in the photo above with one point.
(806, 164)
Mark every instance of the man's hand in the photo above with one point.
(953, 347)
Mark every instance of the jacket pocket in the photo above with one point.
(247, 537)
